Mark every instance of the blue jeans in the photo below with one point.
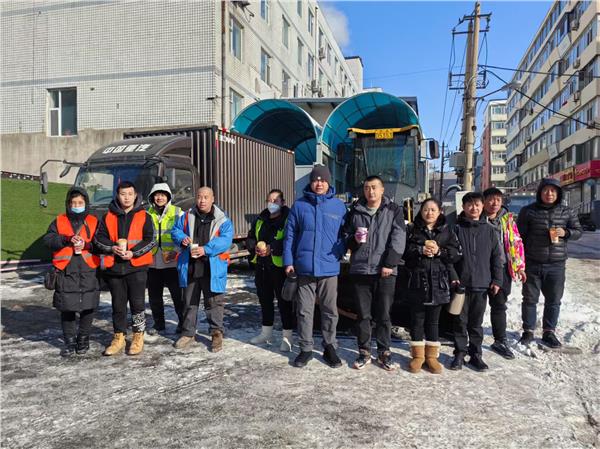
(549, 279)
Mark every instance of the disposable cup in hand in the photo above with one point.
(122, 244)
(553, 235)
(193, 247)
(362, 234)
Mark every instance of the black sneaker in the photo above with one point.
(303, 358)
(364, 358)
(477, 363)
(331, 357)
(550, 340)
(501, 348)
(458, 361)
(526, 338)
(384, 360)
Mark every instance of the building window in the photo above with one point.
(235, 103)
(299, 7)
(328, 54)
(285, 84)
(264, 9)
(62, 117)
(300, 52)
(285, 33)
(311, 20)
(497, 125)
(321, 37)
(265, 66)
(310, 66)
(235, 38)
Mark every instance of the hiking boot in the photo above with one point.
(526, 338)
(83, 344)
(501, 348)
(70, 347)
(117, 344)
(183, 342)
(364, 358)
(384, 360)
(432, 353)
(550, 340)
(303, 358)
(137, 343)
(417, 351)
(331, 357)
(217, 341)
(458, 361)
(477, 363)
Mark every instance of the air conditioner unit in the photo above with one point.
(576, 63)
(320, 93)
(528, 139)
(314, 86)
(322, 53)
(576, 95)
(574, 25)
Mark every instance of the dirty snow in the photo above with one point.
(248, 396)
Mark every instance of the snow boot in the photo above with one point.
(432, 353)
(137, 344)
(117, 344)
(458, 361)
(417, 351)
(217, 341)
(70, 347)
(287, 340)
(83, 344)
(183, 342)
(550, 340)
(264, 337)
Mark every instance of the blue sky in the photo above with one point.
(397, 39)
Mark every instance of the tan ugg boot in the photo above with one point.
(432, 352)
(417, 351)
(116, 345)
(137, 344)
(217, 341)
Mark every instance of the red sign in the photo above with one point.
(587, 170)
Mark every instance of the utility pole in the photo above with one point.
(442, 172)
(469, 97)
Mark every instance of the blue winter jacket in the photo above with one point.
(221, 236)
(313, 235)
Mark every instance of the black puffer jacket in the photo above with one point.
(77, 285)
(385, 241)
(481, 263)
(429, 278)
(536, 219)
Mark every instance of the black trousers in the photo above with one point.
(467, 326)
(425, 322)
(68, 320)
(549, 279)
(374, 296)
(269, 281)
(157, 281)
(214, 307)
(128, 288)
(498, 307)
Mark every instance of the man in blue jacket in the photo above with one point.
(205, 234)
(313, 248)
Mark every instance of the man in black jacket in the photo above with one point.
(480, 270)
(126, 237)
(376, 235)
(545, 227)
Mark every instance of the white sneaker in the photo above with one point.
(286, 341)
(263, 337)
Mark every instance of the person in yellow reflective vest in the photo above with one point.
(163, 271)
(265, 243)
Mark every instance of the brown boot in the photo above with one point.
(183, 342)
(137, 344)
(116, 345)
(432, 352)
(417, 351)
(217, 341)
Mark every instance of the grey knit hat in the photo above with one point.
(320, 172)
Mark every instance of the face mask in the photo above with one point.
(78, 210)
(273, 207)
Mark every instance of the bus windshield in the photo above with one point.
(393, 160)
(100, 181)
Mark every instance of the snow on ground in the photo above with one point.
(248, 396)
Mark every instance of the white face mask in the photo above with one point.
(273, 207)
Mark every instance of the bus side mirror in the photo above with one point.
(65, 171)
(44, 182)
(433, 149)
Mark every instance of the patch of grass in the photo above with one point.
(24, 222)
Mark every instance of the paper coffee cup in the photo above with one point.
(554, 235)
(122, 244)
(361, 234)
(193, 247)
(430, 243)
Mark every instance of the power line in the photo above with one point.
(533, 71)
(455, 96)
(446, 93)
(405, 73)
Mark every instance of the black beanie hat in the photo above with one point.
(320, 172)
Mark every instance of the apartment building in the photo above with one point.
(493, 145)
(553, 130)
(75, 75)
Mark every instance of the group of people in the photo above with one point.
(188, 252)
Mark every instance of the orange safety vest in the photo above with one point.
(62, 257)
(223, 256)
(135, 236)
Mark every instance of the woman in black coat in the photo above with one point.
(431, 251)
(69, 237)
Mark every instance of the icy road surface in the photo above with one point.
(251, 397)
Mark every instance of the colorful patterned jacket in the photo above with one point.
(514, 252)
